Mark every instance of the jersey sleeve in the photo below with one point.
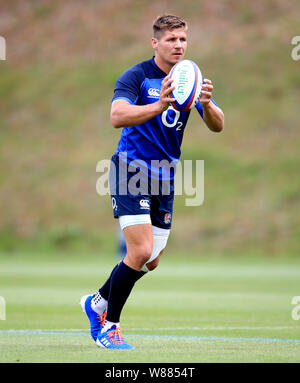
(128, 86)
(200, 108)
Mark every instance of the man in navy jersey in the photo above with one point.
(150, 141)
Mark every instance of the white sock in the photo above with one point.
(107, 325)
(98, 304)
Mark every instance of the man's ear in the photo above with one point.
(154, 42)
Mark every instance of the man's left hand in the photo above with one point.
(206, 92)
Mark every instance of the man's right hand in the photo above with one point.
(165, 98)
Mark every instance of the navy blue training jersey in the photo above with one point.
(160, 137)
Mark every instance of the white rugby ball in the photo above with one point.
(188, 84)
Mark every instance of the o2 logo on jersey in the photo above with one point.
(170, 118)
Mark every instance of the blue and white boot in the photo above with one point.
(96, 320)
(113, 339)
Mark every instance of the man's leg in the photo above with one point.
(157, 248)
(145, 244)
(144, 241)
(139, 241)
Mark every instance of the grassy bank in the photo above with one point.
(55, 126)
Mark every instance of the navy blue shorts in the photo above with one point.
(156, 201)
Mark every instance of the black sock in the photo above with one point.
(104, 290)
(122, 280)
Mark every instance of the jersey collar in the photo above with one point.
(157, 68)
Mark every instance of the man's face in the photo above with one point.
(171, 46)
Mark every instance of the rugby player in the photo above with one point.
(152, 130)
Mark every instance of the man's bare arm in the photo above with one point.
(212, 114)
(125, 114)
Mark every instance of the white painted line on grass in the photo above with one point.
(217, 328)
(176, 328)
(187, 337)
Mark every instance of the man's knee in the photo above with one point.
(160, 239)
(141, 253)
(153, 264)
(139, 241)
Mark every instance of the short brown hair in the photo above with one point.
(167, 22)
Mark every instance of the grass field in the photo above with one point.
(188, 310)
